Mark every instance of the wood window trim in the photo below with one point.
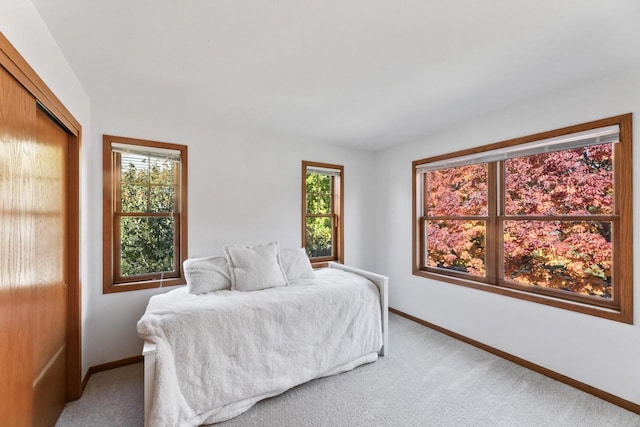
(111, 283)
(622, 311)
(338, 200)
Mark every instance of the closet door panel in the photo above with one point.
(17, 251)
(50, 289)
(33, 260)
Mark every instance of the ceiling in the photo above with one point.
(363, 74)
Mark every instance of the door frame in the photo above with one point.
(17, 66)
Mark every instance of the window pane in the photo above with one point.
(134, 198)
(319, 237)
(324, 205)
(457, 245)
(312, 203)
(162, 199)
(147, 245)
(148, 184)
(318, 190)
(319, 203)
(570, 182)
(162, 171)
(574, 256)
(134, 169)
(457, 191)
(324, 183)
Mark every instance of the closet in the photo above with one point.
(39, 285)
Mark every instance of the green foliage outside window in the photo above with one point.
(148, 186)
(319, 221)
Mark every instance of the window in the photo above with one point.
(144, 213)
(322, 212)
(546, 218)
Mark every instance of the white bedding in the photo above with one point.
(257, 345)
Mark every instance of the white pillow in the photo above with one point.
(296, 264)
(207, 274)
(255, 267)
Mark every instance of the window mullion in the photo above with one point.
(148, 203)
(493, 243)
(423, 221)
(177, 185)
(115, 219)
(117, 238)
(423, 242)
(117, 182)
(177, 254)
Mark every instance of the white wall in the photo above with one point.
(22, 25)
(242, 189)
(598, 352)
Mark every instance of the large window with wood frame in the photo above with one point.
(547, 218)
(322, 211)
(145, 213)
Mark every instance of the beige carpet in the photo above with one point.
(112, 398)
(428, 379)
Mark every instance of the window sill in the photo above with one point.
(324, 263)
(624, 316)
(109, 288)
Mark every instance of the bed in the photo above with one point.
(210, 357)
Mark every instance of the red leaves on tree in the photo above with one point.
(572, 254)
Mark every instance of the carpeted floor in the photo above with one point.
(427, 379)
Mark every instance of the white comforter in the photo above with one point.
(219, 353)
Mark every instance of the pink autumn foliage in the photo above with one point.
(574, 255)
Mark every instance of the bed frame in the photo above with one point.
(382, 282)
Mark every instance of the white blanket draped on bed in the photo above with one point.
(219, 353)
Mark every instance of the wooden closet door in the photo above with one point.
(33, 260)
(50, 286)
(17, 253)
